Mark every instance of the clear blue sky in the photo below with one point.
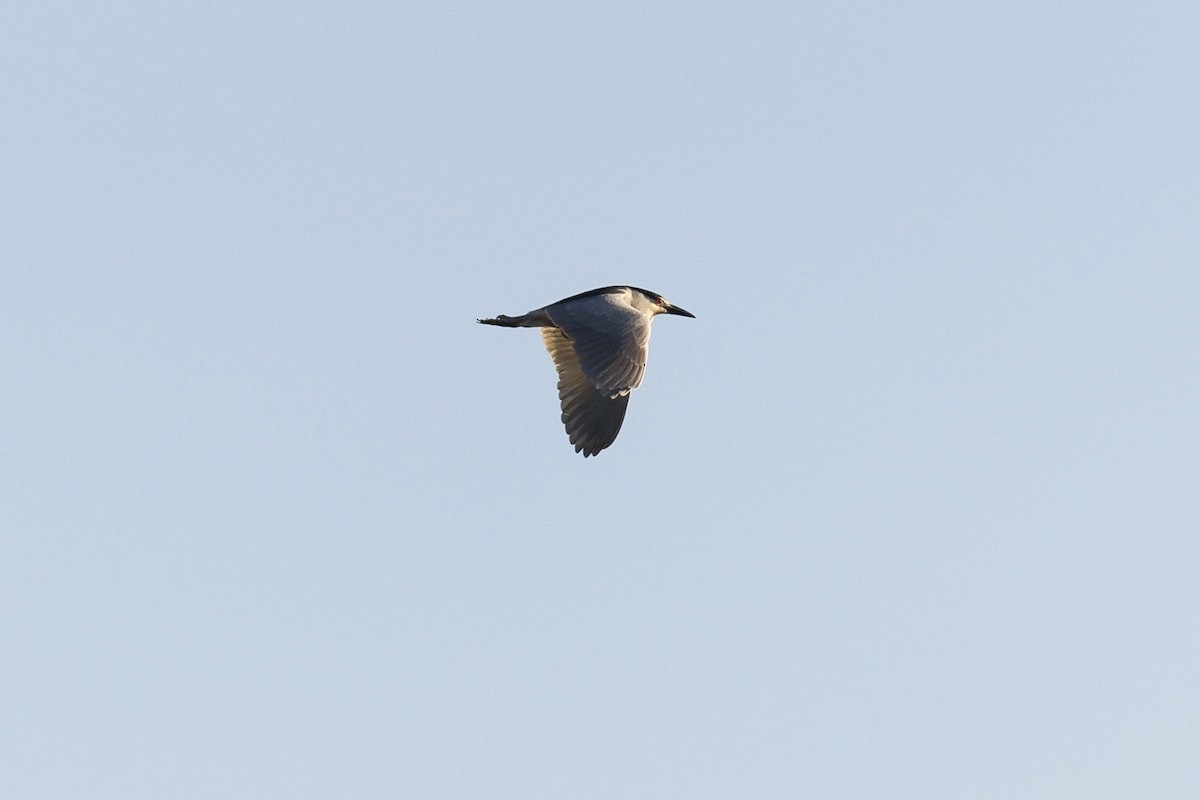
(910, 510)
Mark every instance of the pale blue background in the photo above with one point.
(909, 511)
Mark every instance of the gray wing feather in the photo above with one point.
(592, 417)
(611, 341)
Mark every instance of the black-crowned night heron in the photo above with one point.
(599, 341)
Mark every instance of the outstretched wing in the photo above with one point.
(592, 417)
(611, 340)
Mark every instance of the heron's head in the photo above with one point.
(656, 304)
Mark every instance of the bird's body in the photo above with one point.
(599, 341)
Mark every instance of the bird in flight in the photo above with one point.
(599, 341)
